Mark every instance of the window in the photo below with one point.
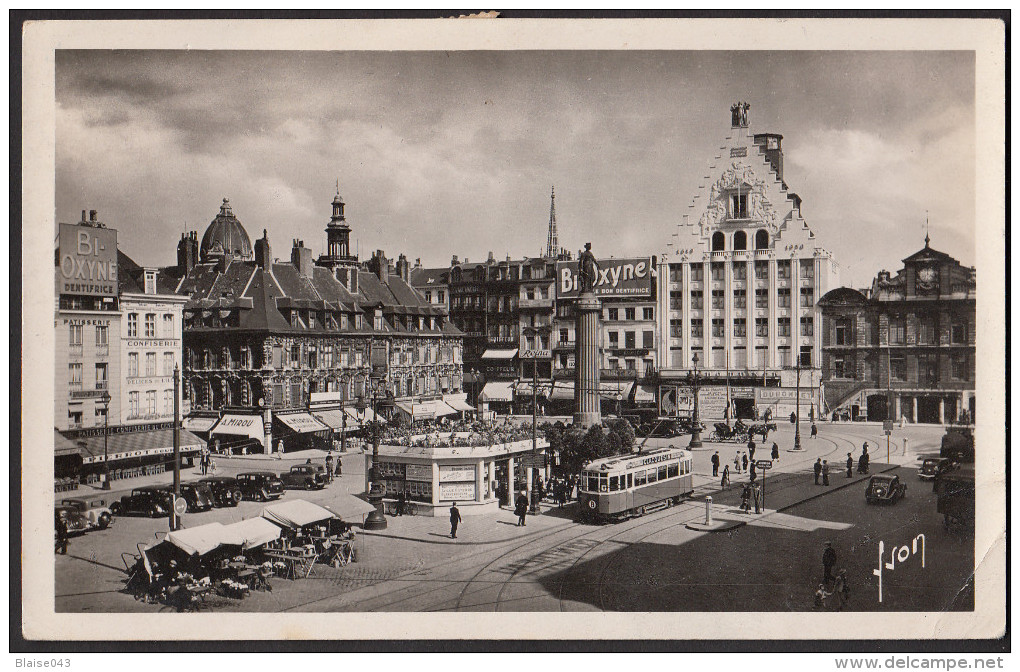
(807, 326)
(926, 331)
(102, 336)
(783, 297)
(150, 364)
(839, 367)
(697, 302)
(676, 273)
(718, 330)
(168, 402)
(74, 374)
(102, 377)
(614, 363)
(718, 271)
(738, 206)
(648, 313)
(132, 364)
(168, 325)
(630, 313)
(101, 413)
(75, 335)
(630, 340)
(783, 324)
(761, 298)
(614, 314)
(295, 355)
(150, 402)
(132, 325)
(739, 298)
(648, 339)
(614, 339)
(74, 418)
(959, 333)
(806, 355)
(134, 405)
(697, 272)
(676, 329)
(740, 327)
(740, 271)
(696, 331)
(761, 240)
(640, 478)
(718, 241)
(631, 365)
(739, 240)
(311, 319)
(897, 331)
(150, 282)
(761, 270)
(652, 475)
(783, 269)
(959, 364)
(442, 296)
(761, 326)
(807, 297)
(564, 336)
(675, 301)
(843, 332)
(150, 325)
(428, 296)
(672, 470)
(718, 298)
(807, 269)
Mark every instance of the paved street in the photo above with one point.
(770, 562)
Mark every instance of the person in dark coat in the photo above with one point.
(329, 465)
(725, 477)
(339, 471)
(62, 535)
(849, 466)
(745, 498)
(793, 418)
(454, 520)
(775, 450)
(401, 503)
(814, 431)
(818, 469)
(863, 463)
(825, 472)
(752, 471)
(744, 461)
(521, 509)
(715, 463)
(750, 448)
(828, 562)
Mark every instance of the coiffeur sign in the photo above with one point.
(616, 277)
(88, 261)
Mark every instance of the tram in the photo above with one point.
(619, 487)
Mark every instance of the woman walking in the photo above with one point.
(725, 476)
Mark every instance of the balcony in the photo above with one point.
(535, 303)
(763, 254)
(564, 345)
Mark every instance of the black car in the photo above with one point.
(932, 466)
(148, 500)
(884, 488)
(306, 476)
(76, 521)
(260, 485)
(198, 495)
(226, 491)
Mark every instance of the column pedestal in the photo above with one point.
(587, 411)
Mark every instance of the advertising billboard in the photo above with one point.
(616, 278)
(87, 263)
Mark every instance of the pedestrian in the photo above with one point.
(454, 520)
(825, 472)
(205, 461)
(521, 509)
(725, 476)
(62, 535)
(820, 596)
(736, 462)
(775, 450)
(828, 562)
(753, 471)
(849, 466)
(339, 471)
(756, 493)
(745, 498)
(750, 447)
(401, 503)
(814, 431)
(818, 469)
(842, 591)
(793, 418)
(864, 463)
(329, 464)
(715, 464)
(744, 461)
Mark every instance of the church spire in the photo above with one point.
(927, 239)
(553, 244)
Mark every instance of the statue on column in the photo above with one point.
(587, 270)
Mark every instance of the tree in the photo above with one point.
(625, 432)
(614, 443)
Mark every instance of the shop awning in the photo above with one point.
(251, 533)
(348, 507)
(334, 418)
(302, 423)
(565, 390)
(644, 394)
(240, 425)
(63, 447)
(458, 403)
(562, 391)
(200, 540)
(137, 444)
(443, 409)
(499, 354)
(199, 424)
(296, 513)
(357, 416)
(524, 389)
(418, 410)
(498, 391)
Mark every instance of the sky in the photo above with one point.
(454, 153)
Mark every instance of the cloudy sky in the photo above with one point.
(442, 153)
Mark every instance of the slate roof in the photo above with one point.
(427, 277)
(131, 277)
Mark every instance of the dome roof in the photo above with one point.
(225, 235)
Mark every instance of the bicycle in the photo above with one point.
(410, 509)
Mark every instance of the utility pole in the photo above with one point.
(796, 436)
(174, 521)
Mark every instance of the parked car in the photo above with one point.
(95, 509)
(305, 476)
(148, 500)
(77, 523)
(198, 495)
(260, 485)
(932, 466)
(955, 492)
(885, 488)
(226, 491)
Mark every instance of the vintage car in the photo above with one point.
(260, 485)
(77, 523)
(148, 500)
(225, 489)
(306, 477)
(885, 488)
(198, 495)
(932, 466)
(95, 509)
(955, 492)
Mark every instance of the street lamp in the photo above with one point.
(375, 520)
(696, 419)
(535, 508)
(105, 399)
(796, 436)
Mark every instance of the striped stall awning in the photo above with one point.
(137, 444)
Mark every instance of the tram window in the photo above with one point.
(651, 475)
(614, 483)
(603, 484)
(640, 477)
(673, 470)
(593, 484)
(662, 472)
(630, 481)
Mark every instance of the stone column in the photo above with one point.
(530, 479)
(480, 481)
(913, 409)
(897, 413)
(942, 410)
(586, 356)
(510, 480)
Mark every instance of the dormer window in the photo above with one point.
(150, 282)
(311, 319)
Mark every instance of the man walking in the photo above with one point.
(814, 431)
(744, 461)
(736, 462)
(715, 464)
(329, 465)
(849, 466)
(62, 533)
(825, 472)
(842, 590)
(521, 509)
(828, 562)
(454, 520)
(750, 447)
(775, 450)
(818, 469)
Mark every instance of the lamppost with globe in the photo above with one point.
(695, 383)
(376, 491)
(105, 399)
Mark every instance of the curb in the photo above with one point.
(458, 542)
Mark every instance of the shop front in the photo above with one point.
(127, 452)
(300, 431)
(237, 434)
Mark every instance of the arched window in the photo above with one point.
(761, 240)
(739, 240)
(718, 241)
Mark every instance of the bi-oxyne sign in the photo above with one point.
(616, 277)
(88, 261)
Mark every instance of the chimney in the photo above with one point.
(263, 252)
(93, 215)
(187, 252)
(301, 257)
(454, 261)
(83, 220)
(380, 265)
(492, 257)
(404, 268)
(417, 262)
